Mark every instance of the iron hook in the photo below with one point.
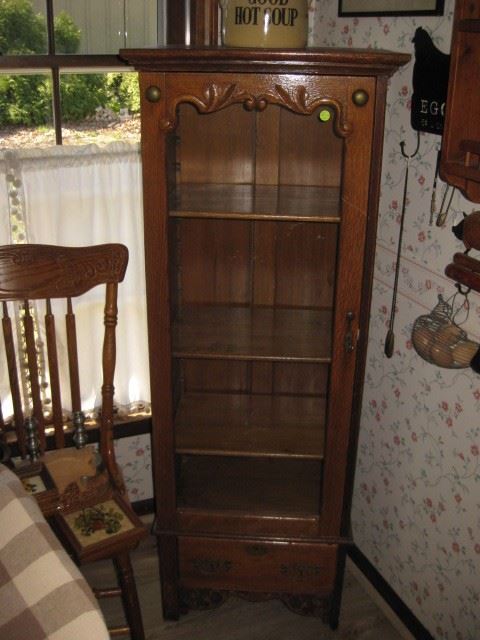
(402, 147)
(461, 291)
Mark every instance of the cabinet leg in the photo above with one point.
(333, 615)
(170, 604)
(167, 557)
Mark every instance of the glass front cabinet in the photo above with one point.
(261, 180)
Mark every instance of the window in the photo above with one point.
(61, 80)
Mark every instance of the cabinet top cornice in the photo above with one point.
(325, 61)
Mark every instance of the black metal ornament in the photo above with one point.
(430, 84)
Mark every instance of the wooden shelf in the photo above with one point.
(256, 202)
(250, 425)
(253, 333)
(469, 26)
(460, 160)
(252, 486)
(461, 170)
(465, 270)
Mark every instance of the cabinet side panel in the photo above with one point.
(154, 152)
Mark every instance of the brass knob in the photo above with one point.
(360, 97)
(153, 94)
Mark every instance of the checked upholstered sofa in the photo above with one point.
(42, 593)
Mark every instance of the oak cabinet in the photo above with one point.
(261, 180)
(460, 161)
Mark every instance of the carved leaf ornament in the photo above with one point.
(219, 96)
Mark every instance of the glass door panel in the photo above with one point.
(253, 241)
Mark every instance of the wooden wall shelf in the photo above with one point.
(460, 161)
(469, 26)
(465, 271)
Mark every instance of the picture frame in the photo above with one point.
(369, 8)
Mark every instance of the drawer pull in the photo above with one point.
(211, 566)
(300, 571)
(256, 550)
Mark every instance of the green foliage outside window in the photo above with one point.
(26, 99)
(122, 90)
(67, 35)
(21, 30)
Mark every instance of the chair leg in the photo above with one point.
(131, 605)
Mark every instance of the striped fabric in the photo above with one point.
(42, 593)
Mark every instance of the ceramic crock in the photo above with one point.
(265, 23)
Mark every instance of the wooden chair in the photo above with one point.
(79, 489)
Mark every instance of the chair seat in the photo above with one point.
(71, 465)
(64, 479)
(100, 530)
(38, 483)
(78, 495)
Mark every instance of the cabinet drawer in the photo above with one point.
(253, 565)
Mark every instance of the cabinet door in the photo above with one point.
(261, 228)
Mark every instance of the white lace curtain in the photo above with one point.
(81, 196)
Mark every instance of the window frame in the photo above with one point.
(54, 63)
(193, 22)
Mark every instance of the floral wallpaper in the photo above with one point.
(133, 454)
(416, 513)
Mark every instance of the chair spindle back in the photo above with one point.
(32, 273)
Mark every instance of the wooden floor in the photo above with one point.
(237, 619)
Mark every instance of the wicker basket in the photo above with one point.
(438, 340)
